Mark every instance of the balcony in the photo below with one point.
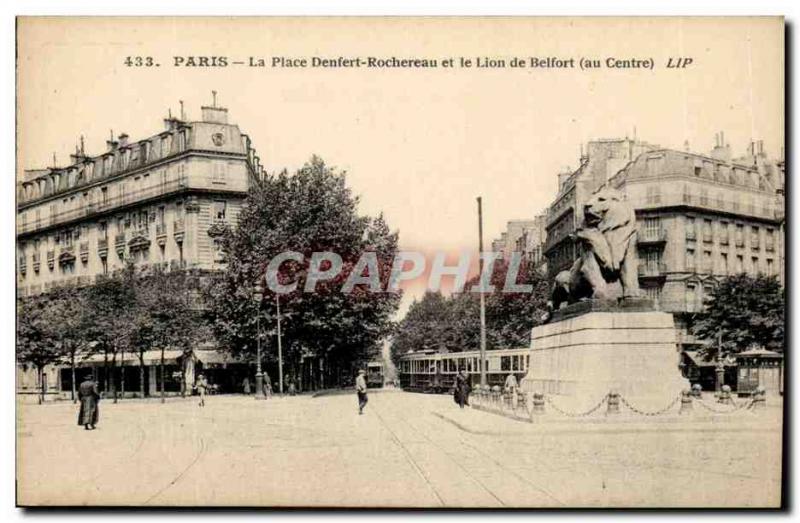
(740, 241)
(37, 260)
(161, 229)
(67, 255)
(769, 245)
(119, 239)
(84, 250)
(691, 235)
(755, 243)
(652, 270)
(708, 237)
(723, 240)
(652, 236)
(178, 230)
(112, 203)
(51, 259)
(23, 265)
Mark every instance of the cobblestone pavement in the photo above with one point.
(407, 450)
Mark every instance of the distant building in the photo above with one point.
(702, 217)
(524, 236)
(159, 201)
(601, 160)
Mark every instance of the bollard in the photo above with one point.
(538, 404)
(613, 403)
(759, 399)
(697, 390)
(496, 397)
(725, 395)
(686, 402)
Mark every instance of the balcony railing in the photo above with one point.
(119, 239)
(707, 237)
(652, 269)
(102, 244)
(769, 246)
(652, 235)
(693, 200)
(161, 229)
(127, 198)
(755, 243)
(84, 247)
(691, 235)
(723, 240)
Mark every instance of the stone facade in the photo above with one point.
(157, 201)
(524, 236)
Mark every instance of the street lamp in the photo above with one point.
(258, 296)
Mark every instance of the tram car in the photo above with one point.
(375, 374)
(431, 371)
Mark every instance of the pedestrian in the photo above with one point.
(202, 387)
(292, 389)
(267, 386)
(246, 385)
(462, 389)
(361, 390)
(89, 398)
(511, 388)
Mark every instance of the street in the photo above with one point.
(408, 449)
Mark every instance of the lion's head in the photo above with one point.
(608, 210)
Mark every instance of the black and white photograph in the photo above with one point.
(400, 262)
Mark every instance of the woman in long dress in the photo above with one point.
(89, 398)
(462, 389)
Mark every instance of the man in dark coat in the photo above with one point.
(462, 389)
(89, 398)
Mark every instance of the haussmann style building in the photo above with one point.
(156, 201)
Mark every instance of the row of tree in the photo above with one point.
(127, 312)
(452, 322)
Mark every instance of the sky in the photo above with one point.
(417, 145)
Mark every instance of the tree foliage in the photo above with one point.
(310, 211)
(747, 311)
(453, 323)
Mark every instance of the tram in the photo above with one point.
(431, 371)
(375, 374)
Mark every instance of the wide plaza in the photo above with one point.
(408, 450)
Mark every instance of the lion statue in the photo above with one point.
(607, 268)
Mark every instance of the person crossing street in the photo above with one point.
(361, 390)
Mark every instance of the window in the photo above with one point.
(690, 228)
(707, 228)
(104, 230)
(505, 363)
(160, 215)
(708, 263)
(104, 195)
(770, 267)
(219, 210)
(723, 262)
(739, 264)
(104, 263)
(690, 259)
(218, 172)
(691, 297)
(754, 265)
(654, 293)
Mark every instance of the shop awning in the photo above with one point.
(700, 360)
(151, 357)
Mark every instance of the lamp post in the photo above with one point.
(720, 364)
(280, 347)
(258, 296)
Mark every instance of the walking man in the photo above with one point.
(462, 389)
(89, 398)
(202, 387)
(267, 386)
(361, 390)
(512, 387)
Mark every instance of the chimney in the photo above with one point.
(111, 143)
(720, 150)
(213, 113)
(123, 140)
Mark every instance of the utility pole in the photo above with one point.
(482, 365)
(280, 348)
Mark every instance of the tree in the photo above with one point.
(745, 311)
(310, 211)
(66, 310)
(453, 323)
(169, 314)
(111, 311)
(35, 346)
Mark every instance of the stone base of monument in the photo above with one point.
(576, 359)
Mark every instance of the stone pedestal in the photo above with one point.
(576, 360)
